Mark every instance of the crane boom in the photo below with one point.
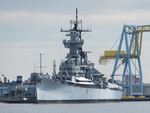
(144, 28)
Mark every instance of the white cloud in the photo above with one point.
(111, 15)
(121, 15)
(29, 17)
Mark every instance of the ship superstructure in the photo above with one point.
(77, 79)
(76, 66)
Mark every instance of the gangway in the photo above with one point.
(130, 57)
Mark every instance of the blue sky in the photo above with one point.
(30, 27)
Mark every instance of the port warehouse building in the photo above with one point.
(17, 88)
(146, 90)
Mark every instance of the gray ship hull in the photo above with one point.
(51, 91)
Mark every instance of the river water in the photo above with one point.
(111, 107)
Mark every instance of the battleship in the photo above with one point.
(77, 79)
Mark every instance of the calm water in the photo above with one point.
(120, 107)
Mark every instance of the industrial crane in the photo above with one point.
(130, 58)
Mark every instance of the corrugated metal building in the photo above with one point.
(146, 90)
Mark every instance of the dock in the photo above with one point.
(17, 100)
